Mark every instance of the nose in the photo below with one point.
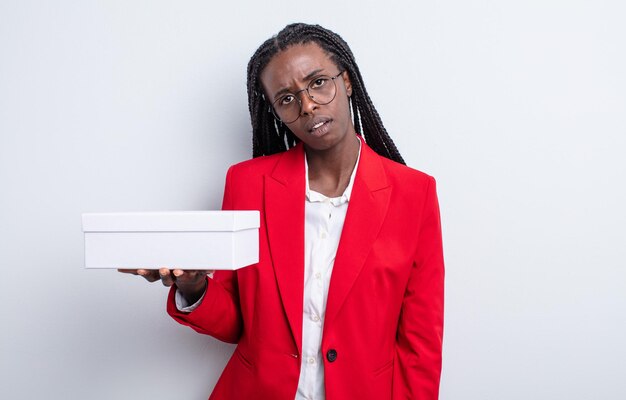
(306, 104)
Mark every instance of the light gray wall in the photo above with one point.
(517, 108)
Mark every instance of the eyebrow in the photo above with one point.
(309, 76)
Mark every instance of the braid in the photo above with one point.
(270, 136)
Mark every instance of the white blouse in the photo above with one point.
(323, 223)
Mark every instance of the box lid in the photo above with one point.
(171, 221)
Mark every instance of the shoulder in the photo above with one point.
(402, 171)
(408, 180)
(255, 167)
(413, 191)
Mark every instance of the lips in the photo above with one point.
(318, 126)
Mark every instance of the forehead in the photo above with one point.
(290, 67)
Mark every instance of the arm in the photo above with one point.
(417, 368)
(218, 314)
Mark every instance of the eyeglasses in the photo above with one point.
(322, 90)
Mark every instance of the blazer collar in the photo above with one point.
(284, 213)
(284, 218)
(366, 213)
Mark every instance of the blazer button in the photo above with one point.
(331, 355)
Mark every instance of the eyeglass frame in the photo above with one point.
(306, 89)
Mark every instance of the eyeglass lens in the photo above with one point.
(321, 90)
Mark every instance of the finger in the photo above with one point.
(189, 276)
(184, 278)
(166, 277)
(151, 275)
(127, 271)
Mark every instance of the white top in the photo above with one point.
(324, 218)
(323, 223)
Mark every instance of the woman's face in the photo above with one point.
(320, 127)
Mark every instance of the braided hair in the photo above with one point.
(271, 136)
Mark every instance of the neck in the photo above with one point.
(330, 170)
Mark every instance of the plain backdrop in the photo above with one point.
(518, 108)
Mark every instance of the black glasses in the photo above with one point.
(322, 90)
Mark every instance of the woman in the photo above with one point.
(335, 200)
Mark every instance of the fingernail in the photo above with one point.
(141, 272)
(163, 271)
(178, 272)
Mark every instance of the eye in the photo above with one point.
(318, 82)
(285, 100)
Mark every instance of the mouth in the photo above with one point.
(320, 127)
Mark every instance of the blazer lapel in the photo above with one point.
(366, 212)
(284, 213)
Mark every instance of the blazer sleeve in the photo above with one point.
(417, 367)
(219, 313)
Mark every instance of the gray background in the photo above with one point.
(517, 108)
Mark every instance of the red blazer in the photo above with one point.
(383, 327)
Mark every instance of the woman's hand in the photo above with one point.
(191, 283)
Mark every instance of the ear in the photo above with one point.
(347, 83)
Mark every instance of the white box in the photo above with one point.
(182, 240)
